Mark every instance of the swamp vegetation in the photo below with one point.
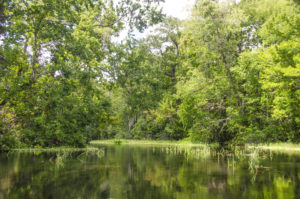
(227, 74)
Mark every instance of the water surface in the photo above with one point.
(149, 172)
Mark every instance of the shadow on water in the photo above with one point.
(120, 171)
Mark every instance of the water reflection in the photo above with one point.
(150, 172)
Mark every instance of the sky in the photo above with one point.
(177, 8)
(174, 8)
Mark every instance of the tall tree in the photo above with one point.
(55, 89)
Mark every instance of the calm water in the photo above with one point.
(149, 172)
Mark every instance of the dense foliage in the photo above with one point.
(229, 73)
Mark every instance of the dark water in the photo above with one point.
(149, 172)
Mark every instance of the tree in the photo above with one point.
(56, 88)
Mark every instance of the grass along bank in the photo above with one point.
(148, 142)
(277, 147)
(93, 146)
(284, 147)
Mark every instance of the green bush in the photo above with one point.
(8, 142)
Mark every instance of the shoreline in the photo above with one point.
(284, 147)
(94, 144)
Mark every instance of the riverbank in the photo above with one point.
(284, 147)
(93, 146)
(277, 147)
(147, 142)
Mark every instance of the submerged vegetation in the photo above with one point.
(56, 150)
(59, 156)
(228, 74)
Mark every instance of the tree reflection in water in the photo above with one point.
(150, 172)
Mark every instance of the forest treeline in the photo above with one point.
(229, 73)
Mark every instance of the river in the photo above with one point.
(142, 172)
